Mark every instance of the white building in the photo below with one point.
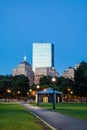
(43, 55)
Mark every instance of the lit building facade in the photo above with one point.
(44, 71)
(43, 55)
(77, 66)
(25, 69)
(69, 73)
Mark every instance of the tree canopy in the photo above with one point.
(16, 84)
(80, 81)
(61, 83)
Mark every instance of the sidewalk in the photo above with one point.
(56, 120)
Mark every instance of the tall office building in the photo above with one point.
(43, 55)
(25, 69)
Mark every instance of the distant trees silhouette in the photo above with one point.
(80, 81)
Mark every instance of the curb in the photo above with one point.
(39, 117)
(43, 121)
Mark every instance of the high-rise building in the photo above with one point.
(43, 55)
(25, 69)
(44, 71)
(69, 73)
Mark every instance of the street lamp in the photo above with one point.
(27, 96)
(38, 95)
(18, 95)
(18, 92)
(8, 91)
(53, 80)
(30, 95)
(30, 90)
(71, 92)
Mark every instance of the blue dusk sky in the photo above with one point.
(61, 22)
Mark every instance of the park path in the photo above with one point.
(56, 120)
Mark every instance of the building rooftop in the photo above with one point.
(49, 91)
(24, 62)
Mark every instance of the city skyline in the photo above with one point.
(62, 23)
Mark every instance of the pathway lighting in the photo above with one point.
(53, 81)
(38, 94)
(8, 91)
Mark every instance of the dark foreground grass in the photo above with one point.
(78, 110)
(15, 117)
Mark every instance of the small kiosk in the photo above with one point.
(47, 96)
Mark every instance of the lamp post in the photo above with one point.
(53, 80)
(30, 95)
(8, 92)
(18, 93)
(38, 95)
(27, 96)
(71, 92)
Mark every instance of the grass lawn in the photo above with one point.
(15, 117)
(78, 110)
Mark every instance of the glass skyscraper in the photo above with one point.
(43, 55)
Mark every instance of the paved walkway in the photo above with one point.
(56, 120)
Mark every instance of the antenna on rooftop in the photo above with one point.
(25, 58)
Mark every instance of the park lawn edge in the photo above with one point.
(37, 120)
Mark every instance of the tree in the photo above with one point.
(80, 82)
(64, 85)
(5, 84)
(61, 84)
(20, 84)
(45, 81)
